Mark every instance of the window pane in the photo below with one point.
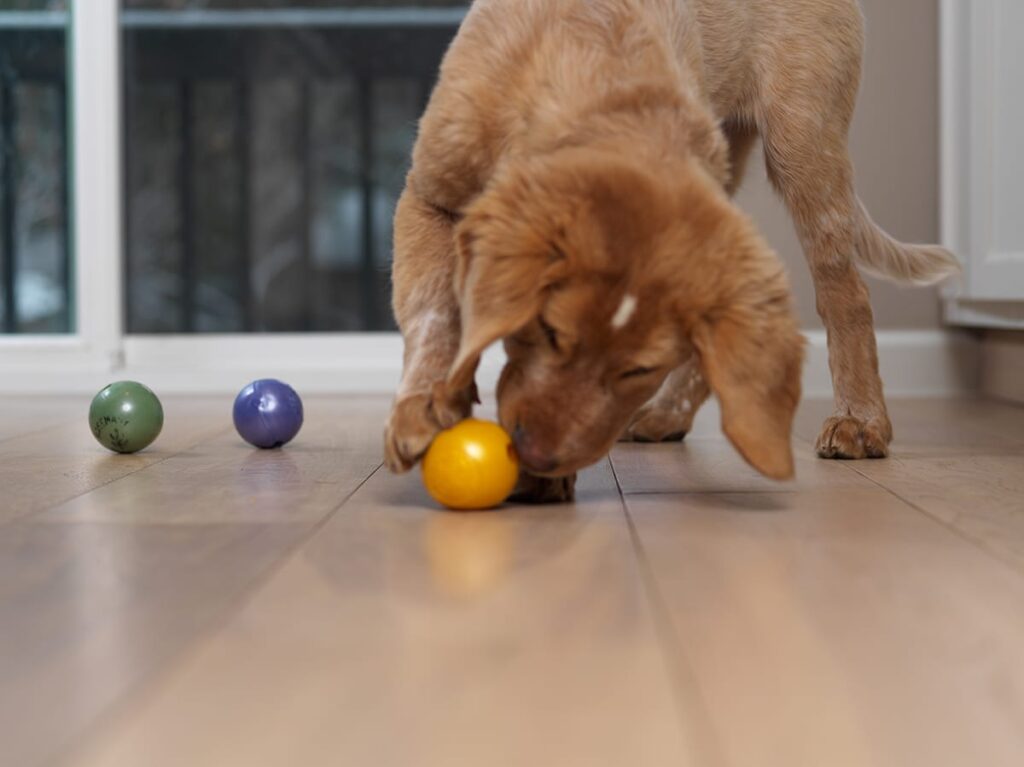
(35, 269)
(266, 145)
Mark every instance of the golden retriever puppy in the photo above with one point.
(570, 196)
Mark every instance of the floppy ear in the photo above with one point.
(750, 347)
(508, 252)
(753, 365)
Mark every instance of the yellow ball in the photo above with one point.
(471, 466)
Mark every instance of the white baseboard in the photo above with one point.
(932, 363)
(914, 363)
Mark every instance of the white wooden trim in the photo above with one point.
(96, 74)
(954, 149)
(913, 363)
(969, 58)
(980, 63)
(334, 362)
(95, 215)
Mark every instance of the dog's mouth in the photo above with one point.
(559, 470)
(539, 459)
(536, 458)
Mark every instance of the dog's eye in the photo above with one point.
(637, 372)
(550, 334)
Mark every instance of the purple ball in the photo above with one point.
(268, 413)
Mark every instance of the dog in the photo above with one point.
(570, 195)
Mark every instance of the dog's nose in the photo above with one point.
(530, 454)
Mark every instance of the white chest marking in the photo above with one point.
(624, 312)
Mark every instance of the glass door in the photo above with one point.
(196, 193)
(35, 252)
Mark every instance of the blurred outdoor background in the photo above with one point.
(263, 155)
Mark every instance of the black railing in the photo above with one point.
(385, 61)
(204, 265)
(10, 210)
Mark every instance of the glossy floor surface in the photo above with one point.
(204, 603)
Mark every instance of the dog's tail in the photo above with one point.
(881, 255)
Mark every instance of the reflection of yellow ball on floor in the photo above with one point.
(473, 465)
(469, 554)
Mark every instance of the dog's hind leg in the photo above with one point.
(428, 315)
(668, 416)
(804, 123)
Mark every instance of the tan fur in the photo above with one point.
(576, 152)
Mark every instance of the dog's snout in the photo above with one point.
(531, 455)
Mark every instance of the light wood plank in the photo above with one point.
(981, 496)
(840, 628)
(88, 611)
(1003, 422)
(960, 461)
(26, 415)
(48, 467)
(711, 464)
(99, 608)
(226, 480)
(401, 635)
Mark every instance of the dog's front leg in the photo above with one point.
(428, 316)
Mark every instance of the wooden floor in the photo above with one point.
(203, 603)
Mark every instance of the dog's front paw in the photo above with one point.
(415, 421)
(531, 489)
(410, 429)
(658, 424)
(847, 437)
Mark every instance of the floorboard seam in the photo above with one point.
(28, 517)
(650, 493)
(314, 528)
(974, 542)
(980, 545)
(37, 432)
(695, 722)
(111, 713)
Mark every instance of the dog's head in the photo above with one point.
(600, 278)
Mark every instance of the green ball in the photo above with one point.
(126, 417)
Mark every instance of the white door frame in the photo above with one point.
(26, 361)
(991, 292)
